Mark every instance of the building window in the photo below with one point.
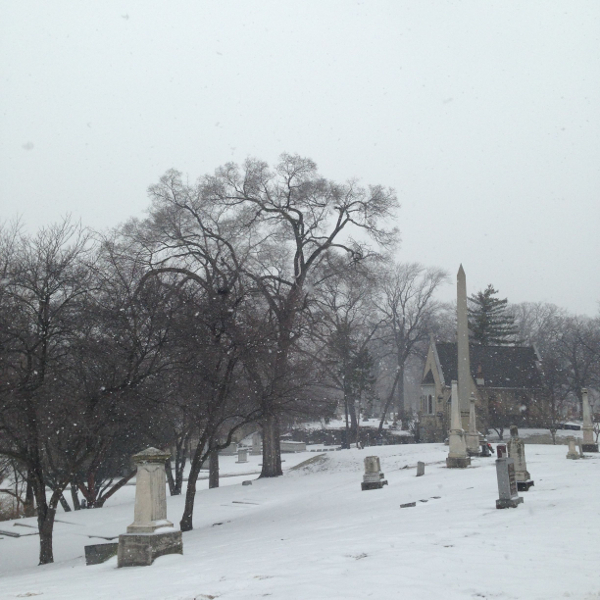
(429, 404)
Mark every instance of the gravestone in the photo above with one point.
(420, 469)
(473, 446)
(96, 554)
(256, 444)
(150, 535)
(230, 450)
(242, 455)
(373, 479)
(457, 445)
(507, 481)
(516, 451)
(588, 427)
(289, 446)
(572, 454)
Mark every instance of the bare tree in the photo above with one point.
(409, 309)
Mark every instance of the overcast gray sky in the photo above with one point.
(485, 117)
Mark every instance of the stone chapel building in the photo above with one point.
(505, 380)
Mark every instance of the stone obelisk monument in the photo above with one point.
(588, 427)
(473, 436)
(457, 455)
(464, 363)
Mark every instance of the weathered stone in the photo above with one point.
(516, 451)
(473, 448)
(138, 550)
(588, 427)
(572, 454)
(420, 469)
(99, 553)
(457, 455)
(507, 482)
(288, 446)
(373, 479)
(242, 455)
(151, 534)
(408, 505)
(246, 482)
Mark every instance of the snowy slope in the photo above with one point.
(314, 535)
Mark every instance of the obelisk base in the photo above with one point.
(523, 486)
(140, 549)
(455, 462)
(509, 502)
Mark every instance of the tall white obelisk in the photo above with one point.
(464, 365)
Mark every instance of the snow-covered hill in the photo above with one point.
(314, 535)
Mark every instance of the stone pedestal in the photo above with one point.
(572, 454)
(242, 455)
(151, 534)
(516, 451)
(588, 427)
(507, 482)
(457, 455)
(473, 447)
(420, 469)
(373, 479)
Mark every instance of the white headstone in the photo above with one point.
(588, 427)
(507, 481)
(473, 447)
(516, 451)
(572, 453)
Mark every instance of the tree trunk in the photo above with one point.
(64, 503)
(169, 473)
(29, 504)
(190, 494)
(75, 497)
(271, 447)
(45, 518)
(213, 469)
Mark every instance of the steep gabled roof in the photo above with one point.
(498, 366)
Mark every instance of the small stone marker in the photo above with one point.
(572, 453)
(408, 505)
(516, 451)
(373, 479)
(150, 535)
(420, 469)
(507, 482)
(588, 427)
(242, 455)
(247, 482)
(96, 554)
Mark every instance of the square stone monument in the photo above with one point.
(507, 481)
(588, 427)
(256, 444)
(572, 453)
(516, 451)
(373, 479)
(242, 455)
(150, 535)
(473, 445)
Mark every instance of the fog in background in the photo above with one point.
(484, 116)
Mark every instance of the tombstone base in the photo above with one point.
(523, 486)
(508, 502)
(573, 456)
(453, 462)
(96, 554)
(373, 485)
(589, 447)
(138, 549)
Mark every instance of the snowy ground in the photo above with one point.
(314, 535)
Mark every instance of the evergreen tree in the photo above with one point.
(490, 323)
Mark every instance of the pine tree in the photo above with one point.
(490, 323)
